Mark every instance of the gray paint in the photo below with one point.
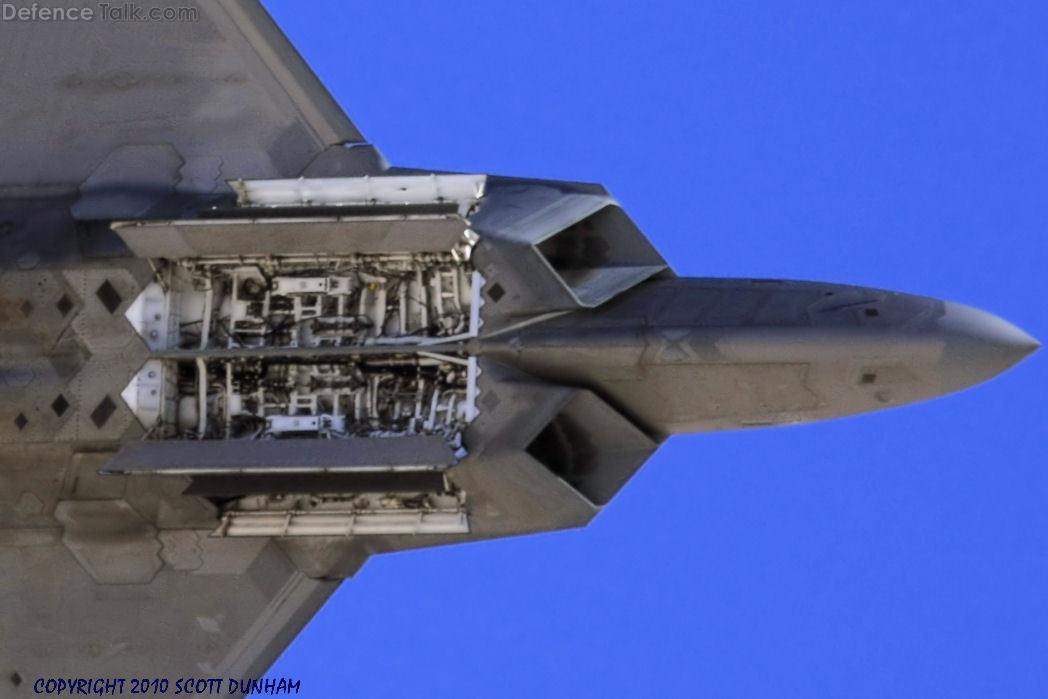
(188, 457)
(591, 352)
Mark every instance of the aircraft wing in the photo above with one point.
(108, 577)
(111, 575)
(169, 108)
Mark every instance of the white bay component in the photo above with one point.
(464, 191)
(328, 515)
(306, 301)
(293, 523)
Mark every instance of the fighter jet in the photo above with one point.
(241, 353)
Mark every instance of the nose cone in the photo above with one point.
(979, 345)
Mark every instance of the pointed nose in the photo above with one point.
(979, 345)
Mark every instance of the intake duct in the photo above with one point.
(558, 246)
(599, 255)
(591, 447)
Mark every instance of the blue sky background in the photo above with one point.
(900, 554)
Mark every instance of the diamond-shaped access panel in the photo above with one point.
(59, 405)
(496, 292)
(103, 411)
(30, 410)
(109, 296)
(35, 307)
(64, 305)
(100, 325)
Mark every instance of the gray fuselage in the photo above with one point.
(696, 355)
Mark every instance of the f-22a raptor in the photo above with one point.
(240, 353)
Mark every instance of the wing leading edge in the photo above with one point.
(180, 105)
